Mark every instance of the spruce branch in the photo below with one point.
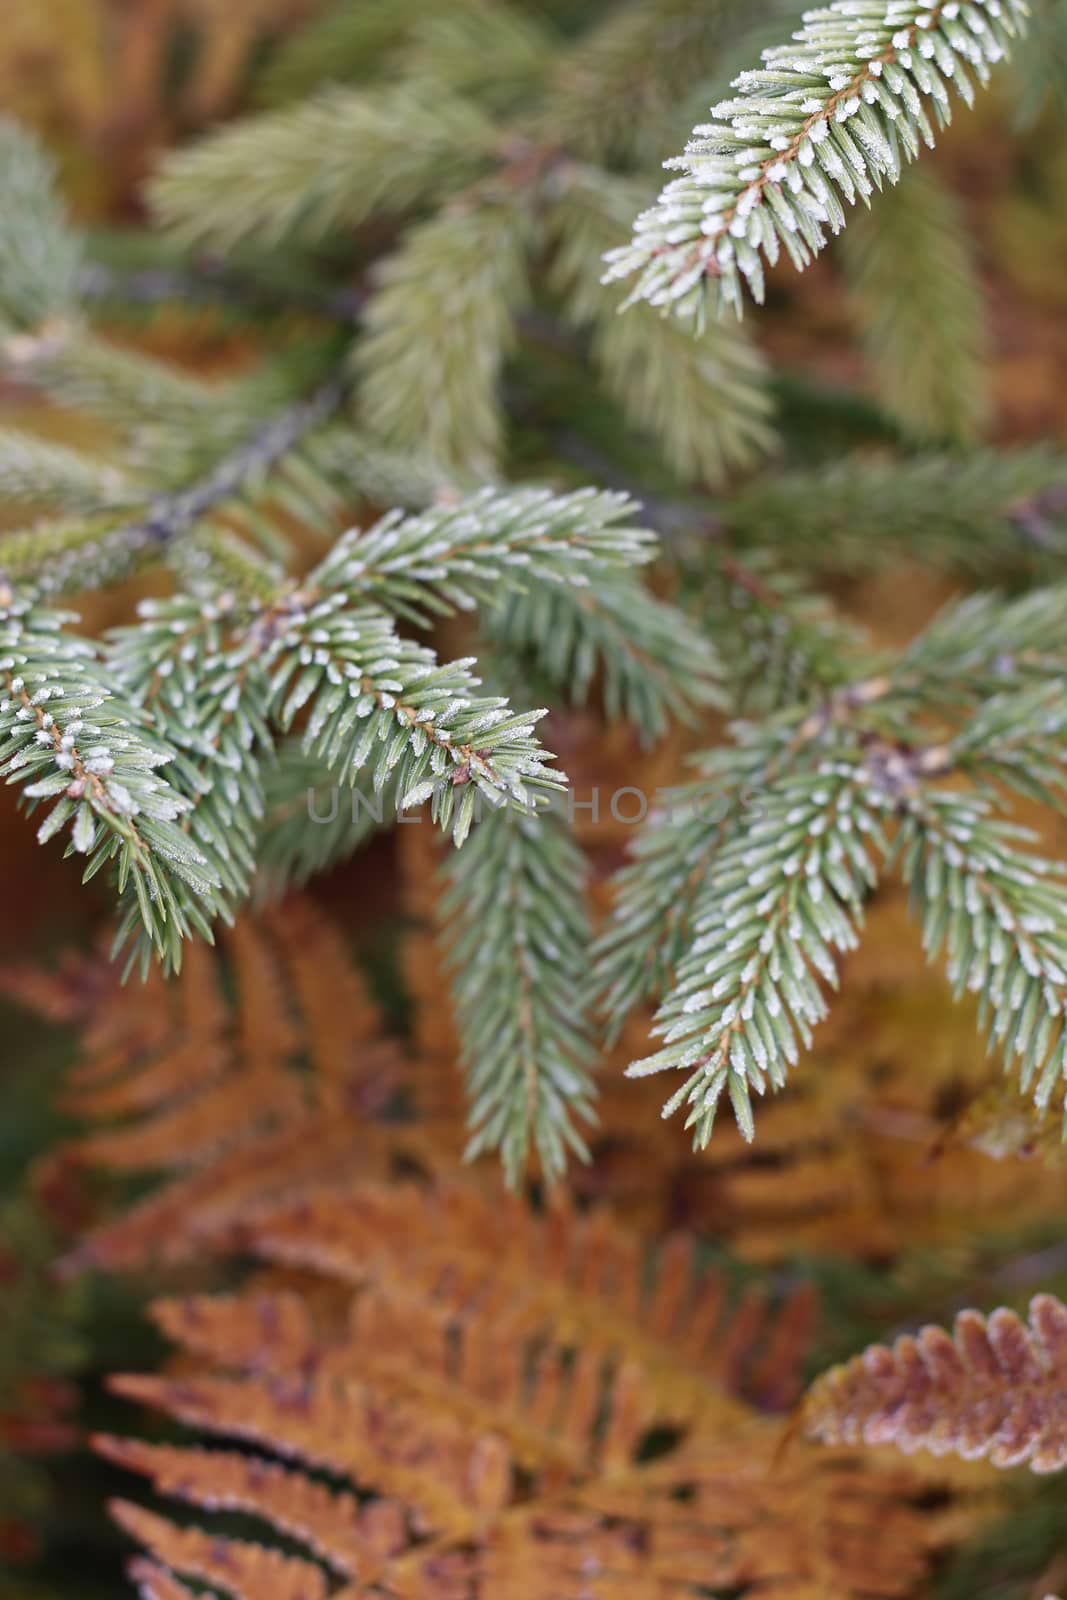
(705, 400)
(656, 891)
(915, 284)
(495, 53)
(340, 44)
(616, 92)
(384, 704)
(984, 513)
(826, 120)
(178, 663)
(40, 254)
(517, 933)
(986, 645)
(69, 740)
(55, 557)
(649, 661)
(1018, 740)
(38, 472)
(212, 281)
(778, 641)
(310, 822)
(67, 363)
(717, 884)
(323, 164)
(437, 331)
(998, 912)
(455, 556)
(250, 463)
(1041, 64)
(777, 906)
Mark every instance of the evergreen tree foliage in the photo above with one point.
(824, 122)
(675, 703)
(310, 674)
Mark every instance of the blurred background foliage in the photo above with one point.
(862, 1182)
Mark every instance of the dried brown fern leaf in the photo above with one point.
(560, 1274)
(154, 1582)
(260, 1072)
(476, 1447)
(995, 1388)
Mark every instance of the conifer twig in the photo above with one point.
(51, 560)
(820, 124)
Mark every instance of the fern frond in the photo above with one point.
(213, 1098)
(594, 1285)
(517, 933)
(704, 400)
(331, 1524)
(915, 282)
(247, 1568)
(154, 1582)
(995, 1388)
(825, 120)
(495, 1427)
(323, 165)
(436, 333)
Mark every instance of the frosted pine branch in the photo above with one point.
(386, 706)
(998, 912)
(517, 934)
(454, 556)
(323, 164)
(781, 900)
(77, 747)
(826, 120)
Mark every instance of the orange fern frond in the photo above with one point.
(154, 1582)
(245, 1569)
(517, 1437)
(253, 1076)
(578, 1275)
(995, 1389)
(350, 1538)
